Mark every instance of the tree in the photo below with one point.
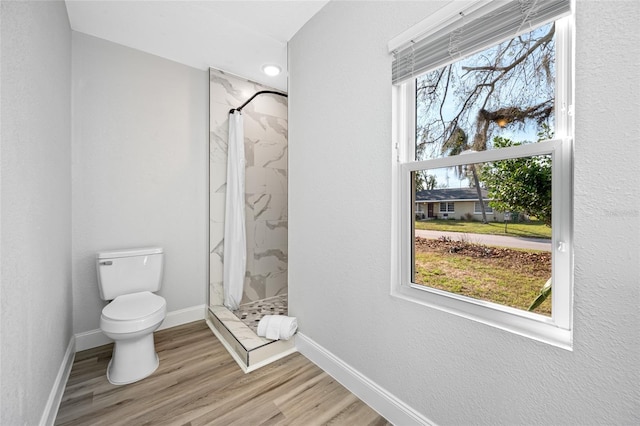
(519, 184)
(430, 182)
(425, 180)
(456, 145)
(510, 86)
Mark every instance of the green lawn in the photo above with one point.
(506, 283)
(531, 229)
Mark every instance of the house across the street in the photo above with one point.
(454, 203)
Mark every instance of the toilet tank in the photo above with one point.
(129, 271)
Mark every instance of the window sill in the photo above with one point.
(522, 323)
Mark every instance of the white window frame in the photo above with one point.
(446, 207)
(556, 330)
(487, 207)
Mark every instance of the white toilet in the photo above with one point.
(128, 278)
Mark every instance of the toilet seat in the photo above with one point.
(133, 312)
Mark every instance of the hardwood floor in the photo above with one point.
(198, 383)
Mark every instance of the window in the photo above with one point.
(487, 115)
(446, 208)
(478, 210)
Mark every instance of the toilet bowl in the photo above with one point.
(128, 278)
(130, 321)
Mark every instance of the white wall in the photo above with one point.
(35, 199)
(453, 370)
(140, 155)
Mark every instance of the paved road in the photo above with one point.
(490, 240)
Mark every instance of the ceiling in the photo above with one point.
(235, 36)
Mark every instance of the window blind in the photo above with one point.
(469, 33)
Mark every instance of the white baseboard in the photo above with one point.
(94, 338)
(55, 397)
(91, 339)
(184, 316)
(390, 407)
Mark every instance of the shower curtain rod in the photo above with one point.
(263, 92)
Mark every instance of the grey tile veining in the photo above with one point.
(217, 203)
(255, 284)
(217, 178)
(276, 181)
(268, 105)
(276, 284)
(275, 256)
(266, 263)
(217, 148)
(256, 180)
(249, 149)
(271, 207)
(215, 294)
(258, 203)
(216, 237)
(266, 184)
(229, 89)
(270, 154)
(261, 128)
(275, 125)
(270, 234)
(266, 204)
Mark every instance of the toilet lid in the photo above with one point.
(133, 306)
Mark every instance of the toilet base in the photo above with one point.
(132, 360)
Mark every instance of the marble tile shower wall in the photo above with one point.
(265, 138)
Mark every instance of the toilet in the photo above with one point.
(128, 279)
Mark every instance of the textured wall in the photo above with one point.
(453, 370)
(139, 169)
(35, 199)
(265, 134)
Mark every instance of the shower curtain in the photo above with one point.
(235, 243)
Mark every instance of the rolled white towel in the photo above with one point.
(288, 327)
(277, 327)
(262, 325)
(273, 327)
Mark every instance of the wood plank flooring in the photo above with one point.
(198, 383)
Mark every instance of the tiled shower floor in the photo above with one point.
(237, 330)
(251, 313)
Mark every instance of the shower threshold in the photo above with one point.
(237, 332)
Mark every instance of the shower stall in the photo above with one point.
(261, 196)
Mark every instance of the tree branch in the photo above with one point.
(543, 40)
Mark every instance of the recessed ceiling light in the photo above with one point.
(271, 70)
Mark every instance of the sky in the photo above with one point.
(448, 177)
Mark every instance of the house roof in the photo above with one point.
(450, 194)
